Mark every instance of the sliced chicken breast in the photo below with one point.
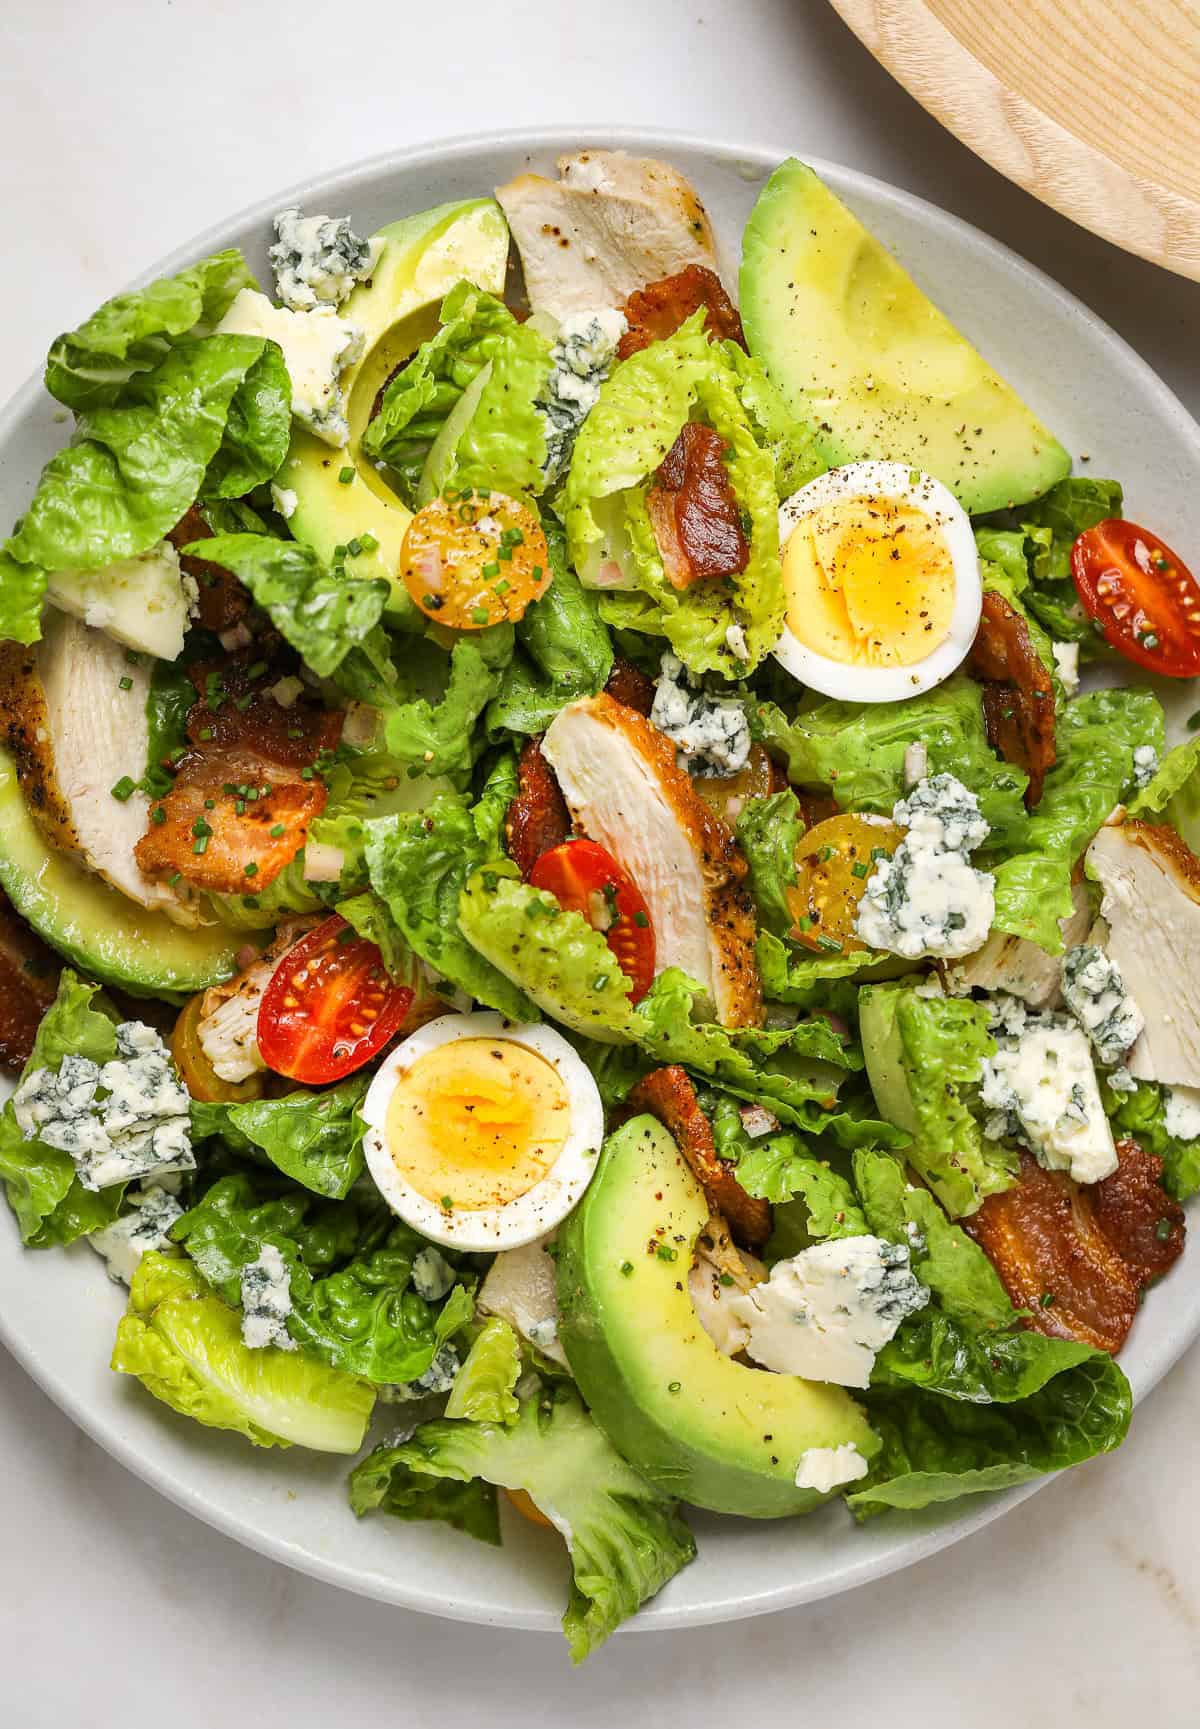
(623, 789)
(522, 1288)
(718, 1272)
(73, 714)
(1019, 967)
(1150, 925)
(608, 225)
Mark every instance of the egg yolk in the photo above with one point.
(869, 582)
(477, 1122)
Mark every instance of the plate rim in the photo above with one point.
(104, 1429)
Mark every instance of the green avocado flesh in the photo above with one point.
(860, 354)
(99, 930)
(708, 1429)
(422, 258)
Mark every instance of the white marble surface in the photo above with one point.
(125, 128)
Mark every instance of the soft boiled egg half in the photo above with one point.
(881, 582)
(482, 1134)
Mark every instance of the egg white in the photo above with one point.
(530, 1215)
(890, 480)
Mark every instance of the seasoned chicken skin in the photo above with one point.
(73, 713)
(623, 789)
(1150, 926)
(610, 224)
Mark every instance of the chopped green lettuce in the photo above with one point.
(564, 652)
(419, 866)
(855, 751)
(624, 1536)
(185, 1346)
(791, 445)
(363, 1317)
(313, 1137)
(643, 407)
(1097, 736)
(1051, 525)
(1142, 1115)
(768, 832)
(440, 738)
(51, 1205)
(484, 1388)
(322, 613)
(1173, 795)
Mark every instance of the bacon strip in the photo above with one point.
(669, 1095)
(224, 602)
(694, 511)
(537, 817)
(630, 685)
(28, 981)
(241, 781)
(656, 311)
(1018, 697)
(1079, 1257)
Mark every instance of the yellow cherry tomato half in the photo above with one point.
(726, 794)
(199, 1076)
(527, 1507)
(834, 862)
(474, 557)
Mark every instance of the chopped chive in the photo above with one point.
(251, 901)
(242, 703)
(251, 869)
(490, 570)
(175, 876)
(295, 732)
(123, 788)
(665, 1252)
(200, 845)
(830, 944)
(641, 921)
(206, 732)
(804, 922)
(725, 1279)
(158, 814)
(345, 476)
(1163, 1230)
(674, 1386)
(354, 547)
(125, 683)
(306, 773)
(600, 983)
(368, 542)
(479, 615)
(257, 670)
(502, 586)
(276, 830)
(626, 1268)
(858, 870)
(1047, 1299)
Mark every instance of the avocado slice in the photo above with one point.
(862, 356)
(713, 1431)
(107, 936)
(421, 259)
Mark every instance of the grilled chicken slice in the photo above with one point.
(623, 789)
(28, 982)
(1150, 926)
(1021, 968)
(608, 225)
(718, 1272)
(669, 1095)
(228, 1024)
(73, 709)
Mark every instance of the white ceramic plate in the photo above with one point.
(57, 1309)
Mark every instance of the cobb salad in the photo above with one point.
(599, 913)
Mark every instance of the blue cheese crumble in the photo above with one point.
(1095, 993)
(318, 260)
(267, 1301)
(1041, 1089)
(145, 1227)
(317, 347)
(1145, 766)
(580, 360)
(116, 1121)
(827, 1311)
(1181, 1112)
(710, 733)
(432, 1275)
(438, 1378)
(928, 899)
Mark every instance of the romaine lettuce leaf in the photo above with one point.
(924, 1058)
(1142, 1116)
(855, 752)
(642, 409)
(1173, 795)
(483, 1390)
(364, 1317)
(792, 446)
(564, 652)
(185, 1346)
(768, 831)
(1097, 736)
(624, 1536)
(1052, 524)
(419, 866)
(51, 1205)
(313, 1137)
(440, 738)
(321, 613)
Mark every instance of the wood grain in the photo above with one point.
(1091, 105)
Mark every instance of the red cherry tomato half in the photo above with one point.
(1144, 598)
(330, 1006)
(586, 878)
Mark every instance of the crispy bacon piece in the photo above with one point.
(1078, 1257)
(241, 780)
(28, 981)
(669, 1095)
(224, 602)
(1018, 697)
(694, 511)
(630, 685)
(537, 817)
(657, 311)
